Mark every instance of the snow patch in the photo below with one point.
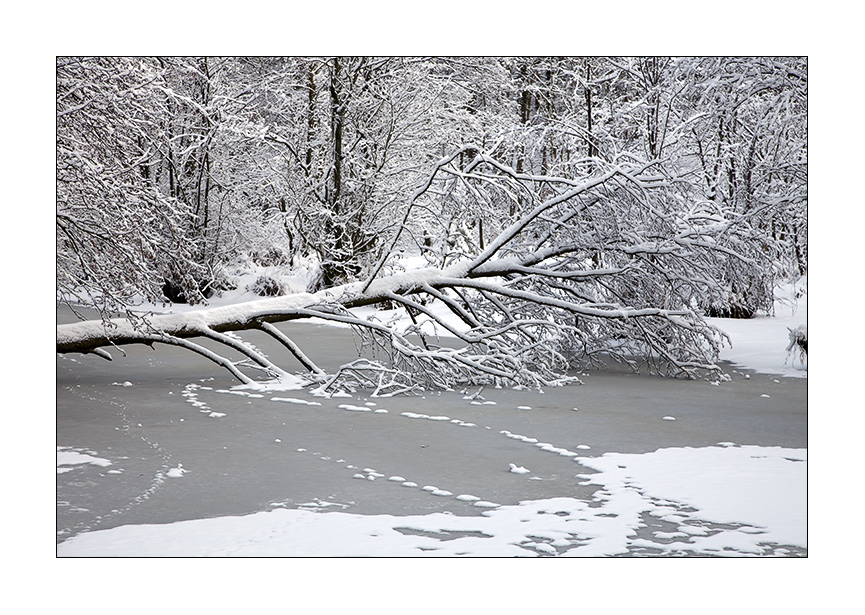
(68, 456)
(720, 500)
(176, 472)
(294, 400)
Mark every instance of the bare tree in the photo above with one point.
(119, 234)
(530, 305)
(744, 121)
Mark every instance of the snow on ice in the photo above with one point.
(68, 457)
(712, 496)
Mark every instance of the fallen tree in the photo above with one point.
(613, 263)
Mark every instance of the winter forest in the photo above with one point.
(340, 306)
(529, 215)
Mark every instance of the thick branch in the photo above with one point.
(289, 343)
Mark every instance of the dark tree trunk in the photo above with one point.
(590, 140)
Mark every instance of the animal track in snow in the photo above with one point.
(191, 395)
(370, 474)
(156, 481)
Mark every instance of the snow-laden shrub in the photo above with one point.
(733, 310)
(270, 256)
(223, 281)
(266, 286)
(798, 343)
(742, 304)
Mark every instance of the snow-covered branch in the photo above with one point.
(592, 270)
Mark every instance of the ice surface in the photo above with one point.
(721, 500)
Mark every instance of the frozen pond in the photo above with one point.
(623, 465)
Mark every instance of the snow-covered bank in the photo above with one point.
(705, 501)
(761, 343)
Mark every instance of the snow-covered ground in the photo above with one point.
(709, 501)
(761, 343)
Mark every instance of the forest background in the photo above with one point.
(173, 170)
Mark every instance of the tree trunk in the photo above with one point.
(310, 119)
(590, 141)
